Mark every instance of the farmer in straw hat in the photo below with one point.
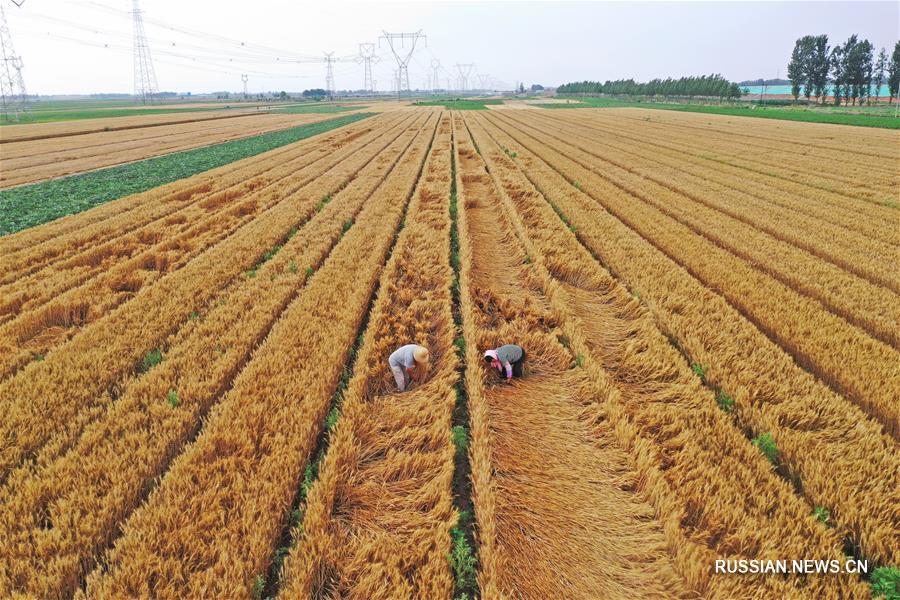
(407, 364)
(508, 360)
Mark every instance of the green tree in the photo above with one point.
(836, 58)
(894, 73)
(797, 67)
(880, 68)
(820, 65)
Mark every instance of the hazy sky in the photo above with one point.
(83, 46)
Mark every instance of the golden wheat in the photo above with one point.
(210, 527)
(388, 470)
(825, 441)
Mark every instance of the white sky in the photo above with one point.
(84, 46)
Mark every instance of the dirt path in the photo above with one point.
(567, 523)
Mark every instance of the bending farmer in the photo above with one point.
(509, 358)
(405, 362)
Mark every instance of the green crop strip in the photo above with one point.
(459, 104)
(314, 108)
(29, 205)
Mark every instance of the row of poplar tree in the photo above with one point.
(849, 71)
(713, 86)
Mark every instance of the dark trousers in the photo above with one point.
(518, 365)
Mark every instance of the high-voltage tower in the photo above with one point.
(12, 84)
(367, 57)
(244, 79)
(329, 74)
(397, 42)
(464, 71)
(145, 87)
(435, 67)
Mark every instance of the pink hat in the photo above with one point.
(491, 353)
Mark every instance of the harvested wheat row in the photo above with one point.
(112, 273)
(44, 395)
(871, 220)
(818, 340)
(29, 162)
(862, 184)
(653, 401)
(210, 528)
(869, 306)
(858, 177)
(824, 441)
(867, 258)
(827, 140)
(86, 488)
(26, 132)
(556, 514)
(27, 250)
(377, 521)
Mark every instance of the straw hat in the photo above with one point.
(420, 354)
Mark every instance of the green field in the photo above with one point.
(833, 115)
(315, 108)
(29, 205)
(460, 104)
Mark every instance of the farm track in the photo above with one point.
(862, 303)
(849, 250)
(85, 488)
(646, 401)
(869, 220)
(29, 162)
(377, 520)
(211, 526)
(550, 482)
(28, 250)
(825, 444)
(46, 393)
(830, 348)
(47, 308)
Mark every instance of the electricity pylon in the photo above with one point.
(12, 84)
(145, 87)
(367, 57)
(397, 42)
(329, 74)
(244, 79)
(435, 67)
(464, 71)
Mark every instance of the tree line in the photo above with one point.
(851, 68)
(712, 86)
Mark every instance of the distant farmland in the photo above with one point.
(194, 382)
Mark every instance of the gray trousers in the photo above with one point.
(401, 377)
